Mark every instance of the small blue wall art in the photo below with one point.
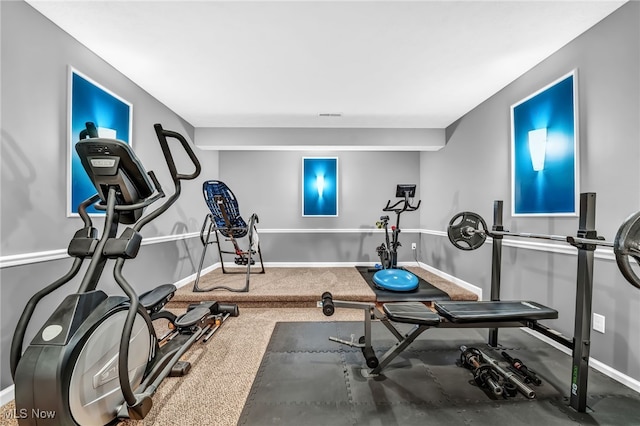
(319, 186)
(544, 151)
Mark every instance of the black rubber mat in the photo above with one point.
(306, 379)
(424, 293)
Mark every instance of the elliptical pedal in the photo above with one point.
(181, 368)
(195, 315)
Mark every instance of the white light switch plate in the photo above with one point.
(598, 322)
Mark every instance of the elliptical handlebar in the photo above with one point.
(82, 209)
(164, 144)
(162, 135)
(142, 401)
(17, 341)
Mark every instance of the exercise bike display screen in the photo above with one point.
(403, 189)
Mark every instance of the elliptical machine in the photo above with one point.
(98, 358)
(388, 276)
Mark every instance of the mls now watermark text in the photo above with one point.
(34, 413)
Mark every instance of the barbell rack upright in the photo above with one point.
(496, 263)
(584, 298)
(581, 342)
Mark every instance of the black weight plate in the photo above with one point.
(467, 231)
(626, 244)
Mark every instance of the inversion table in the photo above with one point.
(225, 220)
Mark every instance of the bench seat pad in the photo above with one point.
(411, 313)
(490, 311)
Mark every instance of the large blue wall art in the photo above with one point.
(112, 115)
(544, 151)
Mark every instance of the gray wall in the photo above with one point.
(268, 183)
(474, 169)
(35, 59)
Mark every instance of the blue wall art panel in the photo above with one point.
(544, 151)
(112, 115)
(319, 187)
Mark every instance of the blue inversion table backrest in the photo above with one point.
(216, 190)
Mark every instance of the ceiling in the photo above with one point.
(367, 64)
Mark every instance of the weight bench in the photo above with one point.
(451, 314)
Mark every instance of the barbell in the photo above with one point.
(468, 231)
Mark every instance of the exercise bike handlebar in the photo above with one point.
(406, 206)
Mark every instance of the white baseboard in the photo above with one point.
(472, 288)
(6, 395)
(192, 277)
(317, 264)
(629, 382)
(186, 280)
(622, 378)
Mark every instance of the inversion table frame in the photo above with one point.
(227, 223)
(492, 314)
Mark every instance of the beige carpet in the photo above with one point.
(282, 287)
(214, 391)
(299, 287)
(454, 291)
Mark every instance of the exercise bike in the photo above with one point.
(98, 358)
(388, 276)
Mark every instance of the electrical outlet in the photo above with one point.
(598, 323)
(413, 246)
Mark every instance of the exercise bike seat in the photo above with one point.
(154, 300)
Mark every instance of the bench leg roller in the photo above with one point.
(327, 304)
(369, 355)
